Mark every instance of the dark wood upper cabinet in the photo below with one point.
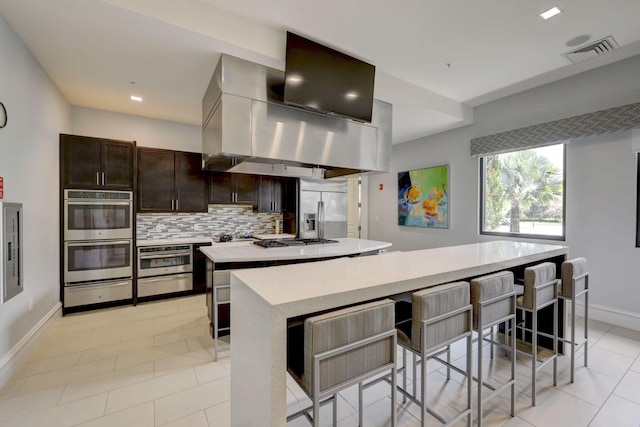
(96, 163)
(190, 183)
(220, 188)
(270, 194)
(232, 188)
(170, 181)
(155, 180)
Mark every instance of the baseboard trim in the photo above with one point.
(613, 316)
(12, 360)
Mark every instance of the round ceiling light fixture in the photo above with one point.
(577, 41)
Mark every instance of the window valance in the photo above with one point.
(597, 123)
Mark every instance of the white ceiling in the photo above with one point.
(435, 59)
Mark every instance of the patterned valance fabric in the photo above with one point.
(597, 123)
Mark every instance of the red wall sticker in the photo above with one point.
(1, 188)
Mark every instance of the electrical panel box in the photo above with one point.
(11, 275)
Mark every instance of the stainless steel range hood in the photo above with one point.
(248, 129)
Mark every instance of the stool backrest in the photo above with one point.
(339, 328)
(574, 275)
(537, 280)
(436, 301)
(490, 287)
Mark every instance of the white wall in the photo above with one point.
(37, 113)
(145, 131)
(600, 186)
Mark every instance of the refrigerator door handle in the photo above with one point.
(320, 220)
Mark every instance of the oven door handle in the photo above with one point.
(171, 255)
(101, 285)
(99, 202)
(98, 243)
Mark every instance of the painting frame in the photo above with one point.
(423, 197)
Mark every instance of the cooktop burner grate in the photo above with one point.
(271, 243)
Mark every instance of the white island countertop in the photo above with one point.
(248, 252)
(274, 294)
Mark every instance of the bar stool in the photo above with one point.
(575, 283)
(540, 291)
(494, 302)
(441, 315)
(343, 348)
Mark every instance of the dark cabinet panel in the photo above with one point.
(96, 163)
(155, 180)
(170, 181)
(220, 190)
(233, 188)
(199, 268)
(276, 194)
(270, 194)
(245, 189)
(117, 165)
(190, 183)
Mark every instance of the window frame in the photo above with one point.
(563, 236)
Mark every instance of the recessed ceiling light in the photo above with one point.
(551, 12)
(136, 98)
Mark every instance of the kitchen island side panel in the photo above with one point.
(262, 350)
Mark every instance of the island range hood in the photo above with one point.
(248, 129)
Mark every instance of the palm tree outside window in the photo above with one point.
(522, 193)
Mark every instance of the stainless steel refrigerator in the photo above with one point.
(322, 209)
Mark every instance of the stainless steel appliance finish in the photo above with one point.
(322, 208)
(96, 292)
(97, 260)
(90, 214)
(11, 280)
(164, 269)
(165, 284)
(163, 260)
(248, 129)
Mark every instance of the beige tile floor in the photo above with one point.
(152, 365)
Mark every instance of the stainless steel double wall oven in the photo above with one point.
(98, 246)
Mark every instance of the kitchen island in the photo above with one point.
(222, 258)
(276, 294)
(247, 252)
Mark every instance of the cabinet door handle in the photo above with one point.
(177, 204)
(172, 203)
(102, 178)
(97, 178)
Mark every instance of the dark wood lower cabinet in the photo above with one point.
(199, 268)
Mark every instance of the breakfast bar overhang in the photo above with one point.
(275, 294)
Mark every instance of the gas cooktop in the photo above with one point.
(281, 243)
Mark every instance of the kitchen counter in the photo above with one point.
(248, 252)
(274, 294)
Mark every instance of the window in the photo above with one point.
(522, 193)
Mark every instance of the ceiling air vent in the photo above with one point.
(591, 50)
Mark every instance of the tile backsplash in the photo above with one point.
(221, 219)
